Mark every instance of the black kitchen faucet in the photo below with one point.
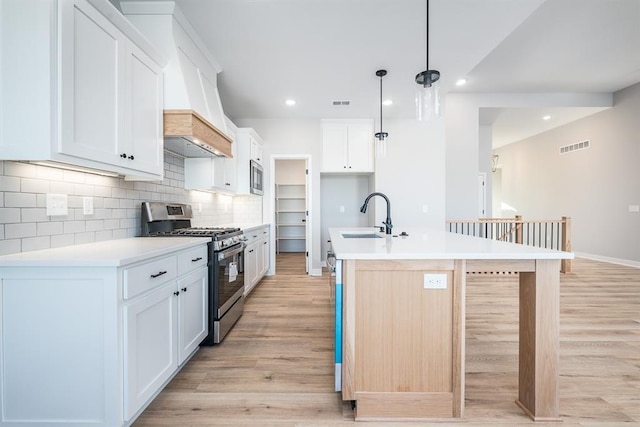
(387, 222)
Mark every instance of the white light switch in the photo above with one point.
(634, 208)
(341, 209)
(87, 205)
(57, 204)
(435, 281)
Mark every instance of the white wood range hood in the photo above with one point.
(194, 122)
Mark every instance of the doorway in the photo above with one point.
(291, 215)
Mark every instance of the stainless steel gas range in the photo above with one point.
(226, 264)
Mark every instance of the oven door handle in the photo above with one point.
(231, 252)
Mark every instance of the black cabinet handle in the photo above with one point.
(123, 155)
(131, 157)
(255, 235)
(264, 243)
(184, 289)
(226, 183)
(176, 293)
(197, 259)
(251, 251)
(153, 276)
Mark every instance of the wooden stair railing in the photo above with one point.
(550, 234)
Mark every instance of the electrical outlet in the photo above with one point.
(87, 205)
(57, 204)
(435, 281)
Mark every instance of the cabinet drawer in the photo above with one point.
(256, 234)
(146, 276)
(192, 259)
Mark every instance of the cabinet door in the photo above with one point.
(360, 153)
(264, 263)
(334, 147)
(256, 151)
(192, 312)
(250, 267)
(91, 68)
(143, 145)
(150, 339)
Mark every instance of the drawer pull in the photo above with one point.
(184, 289)
(197, 259)
(176, 293)
(153, 276)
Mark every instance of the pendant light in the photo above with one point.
(428, 92)
(382, 137)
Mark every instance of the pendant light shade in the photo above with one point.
(428, 90)
(381, 137)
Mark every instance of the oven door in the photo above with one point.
(228, 284)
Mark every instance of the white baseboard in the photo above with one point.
(626, 262)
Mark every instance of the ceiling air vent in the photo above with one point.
(574, 147)
(338, 103)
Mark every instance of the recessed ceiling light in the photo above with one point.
(547, 117)
(461, 82)
(290, 102)
(387, 102)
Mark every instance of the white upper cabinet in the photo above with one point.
(249, 147)
(90, 96)
(347, 146)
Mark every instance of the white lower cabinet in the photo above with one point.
(256, 256)
(150, 345)
(93, 345)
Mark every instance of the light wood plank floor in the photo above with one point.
(275, 368)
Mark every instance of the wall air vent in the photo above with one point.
(574, 147)
(340, 103)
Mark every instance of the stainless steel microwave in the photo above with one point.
(256, 180)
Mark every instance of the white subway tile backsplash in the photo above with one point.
(88, 237)
(49, 228)
(36, 243)
(116, 205)
(50, 174)
(9, 183)
(34, 215)
(19, 231)
(10, 246)
(18, 200)
(104, 235)
(95, 225)
(62, 240)
(61, 187)
(10, 215)
(74, 227)
(20, 169)
(32, 185)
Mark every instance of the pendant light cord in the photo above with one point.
(380, 105)
(427, 36)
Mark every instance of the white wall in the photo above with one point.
(594, 186)
(463, 138)
(412, 175)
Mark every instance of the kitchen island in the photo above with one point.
(400, 321)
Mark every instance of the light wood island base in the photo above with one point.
(403, 354)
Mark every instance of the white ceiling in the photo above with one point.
(318, 51)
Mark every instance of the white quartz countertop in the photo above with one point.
(423, 243)
(108, 253)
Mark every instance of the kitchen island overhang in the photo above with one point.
(401, 336)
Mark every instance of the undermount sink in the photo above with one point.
(361, 236)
